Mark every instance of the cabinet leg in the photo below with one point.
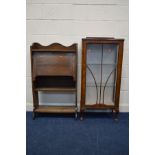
(76, 109)
(115, 114)
(34, 115)
(81, 115)
(76, 115)
(35, 99)
(112, 111)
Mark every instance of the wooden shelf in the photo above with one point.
(56, 89)
(55, 109)
(99, 106)
(102, 64)
(54, 83)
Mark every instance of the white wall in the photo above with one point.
(68, 21)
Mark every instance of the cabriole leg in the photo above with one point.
(115, 114)
(34, 115)
(81, 115)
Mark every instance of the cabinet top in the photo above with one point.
(53, 47)
(102, 39)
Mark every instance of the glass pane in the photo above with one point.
(101, 73)
(94, 53)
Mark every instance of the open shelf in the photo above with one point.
(52, 83)
(55, 109)
(56, 89)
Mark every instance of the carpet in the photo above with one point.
(97, 134)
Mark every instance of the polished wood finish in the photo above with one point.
(53, 69)
(99, 106)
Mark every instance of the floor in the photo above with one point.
(97, 134)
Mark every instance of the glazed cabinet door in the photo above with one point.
(101, 66)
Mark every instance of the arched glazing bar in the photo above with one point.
(101, 75)
(94, 82)
(107, 82)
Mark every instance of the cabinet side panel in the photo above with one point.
(119, 73)
(83, 75)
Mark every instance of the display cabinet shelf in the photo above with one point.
(103, 64)
(98, 84)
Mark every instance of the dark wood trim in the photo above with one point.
(54, 47)
(119, 73)
(83, 76)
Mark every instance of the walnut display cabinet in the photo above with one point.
(101, 74)
(54, 69)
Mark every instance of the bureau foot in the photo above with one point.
(76, 115)
(34, 115)
(115, 114)
(81, 116)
